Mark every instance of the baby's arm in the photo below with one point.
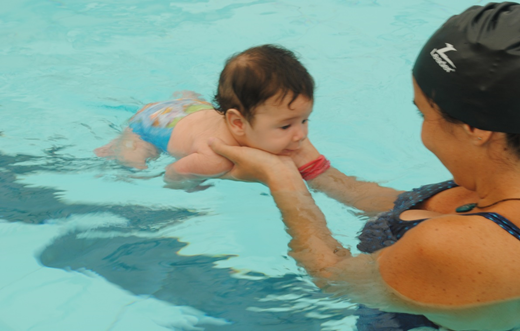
(189, 171)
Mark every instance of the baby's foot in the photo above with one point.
(106, 151)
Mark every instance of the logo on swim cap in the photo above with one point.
(442, 59)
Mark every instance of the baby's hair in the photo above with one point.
(251, 77)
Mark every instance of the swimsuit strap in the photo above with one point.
(407, 200)
(410, 199)
(402, 227)
(387, 227)
(503, 222)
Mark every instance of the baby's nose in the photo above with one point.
(300, 134)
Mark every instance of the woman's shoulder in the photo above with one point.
(454, 260)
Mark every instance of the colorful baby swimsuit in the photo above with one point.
(154, 123)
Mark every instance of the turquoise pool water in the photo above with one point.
(87, 246)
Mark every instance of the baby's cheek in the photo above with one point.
(275, 148)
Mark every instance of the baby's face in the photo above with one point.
(278, 128)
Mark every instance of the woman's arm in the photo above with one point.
(367, 196)
(312, 244)
(425, 272)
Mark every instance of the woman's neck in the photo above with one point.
(497, 180)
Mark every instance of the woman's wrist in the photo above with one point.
(305, 154)
(314, 168)
(285, 178)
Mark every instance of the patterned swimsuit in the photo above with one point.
(154, 123)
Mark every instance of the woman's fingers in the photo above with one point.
(221, 148)
(250, 164)
(233, 153)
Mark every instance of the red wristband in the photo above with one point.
(314, 168)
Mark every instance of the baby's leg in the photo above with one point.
(128, 149)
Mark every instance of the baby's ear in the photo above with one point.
(235, 121)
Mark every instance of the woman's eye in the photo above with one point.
(420, 113)
(285, 127)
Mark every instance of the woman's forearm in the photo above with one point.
(367, 196)
(312, 244)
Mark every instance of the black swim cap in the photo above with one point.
(470, 67)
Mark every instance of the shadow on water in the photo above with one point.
(34, 205)
(152, 266)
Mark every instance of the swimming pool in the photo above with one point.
(87, 246)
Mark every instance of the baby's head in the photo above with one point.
(266, 96)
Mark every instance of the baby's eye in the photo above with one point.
(305, 121)
(286, 127)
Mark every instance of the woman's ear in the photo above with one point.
(236, 122)
(478, 136)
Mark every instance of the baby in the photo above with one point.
(264, 99)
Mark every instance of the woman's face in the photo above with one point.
(442, 138)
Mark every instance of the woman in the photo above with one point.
(448, 251)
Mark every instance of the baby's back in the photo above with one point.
(191, 134)
(189, 144)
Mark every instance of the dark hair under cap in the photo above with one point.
(470, 67)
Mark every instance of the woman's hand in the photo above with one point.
(305, 154)
(254, 165)
(250, 164)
